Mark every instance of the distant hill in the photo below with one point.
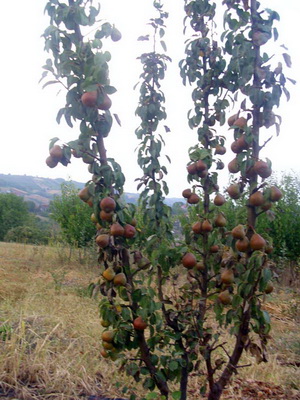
(42, 190)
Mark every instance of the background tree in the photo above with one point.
(73, 217)
(13, 213)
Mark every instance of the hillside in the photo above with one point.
(42, 190)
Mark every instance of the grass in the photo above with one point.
(50, 332)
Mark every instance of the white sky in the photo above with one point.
(28, 112)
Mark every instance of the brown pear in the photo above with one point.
(256, 199)
(117, 229)
(225, 297)
(186, 193)
(120, 279)
(56, 152)
(106, 216)
(214, 248)
(203, 174)
(275, 194)
(232, 119)
(257, 242)
(192, 169)
(189, 260)
(236, 147)
(233, 166)
(240, 122)
(269, 288)
(129, 231)
(84, 194)
(206, 226)
(266, 206)
(200, 266)
(234, 191)
(108, 204)
(227, 277)
(219, 200)
(242, 142)
(197, 227)
(262, 169)
(139, 324)
(193, 199)
(102, 240)
(220, 150)
(238, 232)
(220, 221)
(201, 166)
(51, 162)
(242, 245)
(108, 336)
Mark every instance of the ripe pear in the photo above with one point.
(186, 193)
(200, 266)
(206, 226)
(104, 353)
(236, 147)
(108, 204)
(107, 345)
(232, 119)
(193, 199)
(117, 229)
(242, 245)
(240, 122)
(102, 240)
(262, 169)
(129, 231)
(189, 260)
(108, 336)
(221, 150)
(256, 199)
(51, 162)
(104, 323)
(275, 194)
(233, 166)
(84, 194)
(266, 206)
(109, 274)
(238, 232)
(225, 297)
(214, 248)
(197, 227)
(257, 242)
(192, 169)
(269, 288)
(234, 191)
(220, 221)
(106, 216)
(139, 324)
(56, 152)
(203, 174)
(227, 277)
(120, 279)
(201, 166)
(219, 200)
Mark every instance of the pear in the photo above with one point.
(186, 193)
(219, 200)
(242, 245)
(108, 204)
(189, 260)
(227, 277)
(206, 226)
(197, 227)
(233, 166)
(225, 297)
(120, 279)
(262, 169)
(234, 191)
(193, 199)
(220, 221)
(275, 194)
(109, 274)
(257, 242)
(117, 229)
(256, 199)
(238, 232)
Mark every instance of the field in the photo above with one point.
(50, 334)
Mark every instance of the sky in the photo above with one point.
(28, 111)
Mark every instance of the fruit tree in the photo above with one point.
(165, 304)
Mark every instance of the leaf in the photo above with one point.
(117, 119)
(143, 38)
(287, 59)
(49, 83)
(52, 142)
(176, 395)
(163, 45)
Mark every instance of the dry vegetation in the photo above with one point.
(50, 334)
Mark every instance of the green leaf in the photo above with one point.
(176, 395)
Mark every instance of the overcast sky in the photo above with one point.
(28, 112)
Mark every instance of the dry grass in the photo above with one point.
(50, 332)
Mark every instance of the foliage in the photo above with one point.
(13, 213)
(73, 216)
